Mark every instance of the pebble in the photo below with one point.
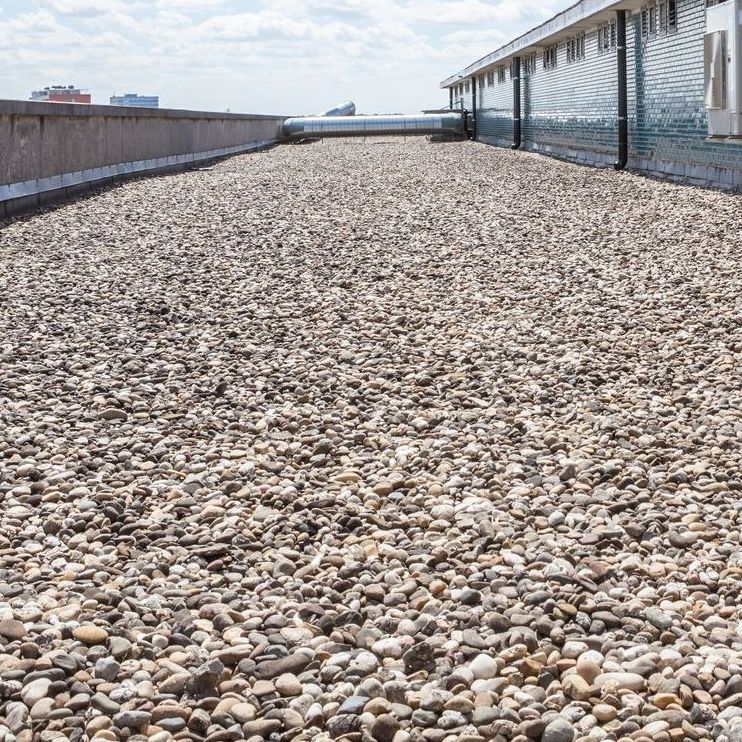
(383, 441)
(604, 712)
(35, 691)
(384, 728)
(132, 719)
(559, 730)
(288, 685)
(484, 667)
(620, 681)
(242, 712)
(90, 634)
(12, 629)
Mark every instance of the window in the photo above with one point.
(550, 57)
(490, 78)
(576, 48)
(466, 87)
(607, 38)
(481, 82)
(501, 74)
(663, 17)
(659, 18)
(671, 16)
(529, 64)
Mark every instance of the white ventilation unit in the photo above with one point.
(722, 59)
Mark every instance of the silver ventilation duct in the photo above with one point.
(348, 108)
(365, 126)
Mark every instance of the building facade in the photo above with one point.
(135, 101)
(559, 90)
(61, 94)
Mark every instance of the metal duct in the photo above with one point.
(363, 126)
(348, 108)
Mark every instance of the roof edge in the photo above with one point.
(580, 11)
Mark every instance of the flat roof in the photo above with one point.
(572, 19)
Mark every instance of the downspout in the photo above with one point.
(450, 98)
(474, 107)
(515, 75)
(623, 105)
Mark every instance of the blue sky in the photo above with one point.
(257, 56)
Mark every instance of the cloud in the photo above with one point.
(188, 4)
(268, 25)
(431, 12)
(37, 29)
(83, 9)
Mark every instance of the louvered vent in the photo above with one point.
(715, 63)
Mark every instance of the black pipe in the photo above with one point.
(515, 75)
(623, 103)
(474, 108)
(450, 98)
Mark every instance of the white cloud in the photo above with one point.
(188, 4)
(37, 29)
(84, 9)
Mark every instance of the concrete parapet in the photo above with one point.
(50, 151)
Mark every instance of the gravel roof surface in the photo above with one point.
(381, 441)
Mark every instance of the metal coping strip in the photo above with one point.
(26, 188)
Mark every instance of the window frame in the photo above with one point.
(576, 48)
(550, 57)
(607, 37)
(659, 18)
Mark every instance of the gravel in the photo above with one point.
(383, 441)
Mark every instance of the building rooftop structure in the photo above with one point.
(654, 85)
(61, 94)
(134, 100)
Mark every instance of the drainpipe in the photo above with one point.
(623, 105)
(474, 107)
(515, 75)
(450, 98)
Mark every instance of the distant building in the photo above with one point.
(137, 101)
(60, 94)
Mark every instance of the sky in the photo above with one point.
(257, 56)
